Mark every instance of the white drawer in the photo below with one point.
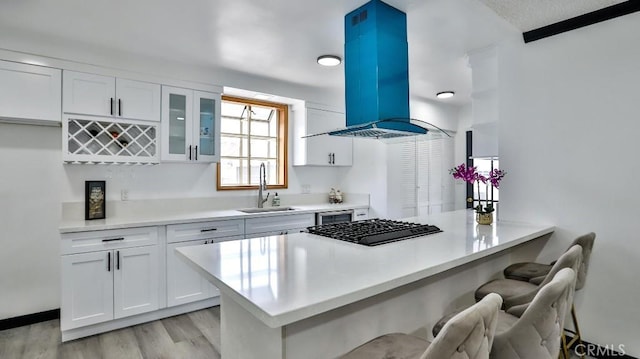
(278, 223)
(360, 214)
(204, 230)
(82, 242)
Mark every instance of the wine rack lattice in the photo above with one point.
(108, 141)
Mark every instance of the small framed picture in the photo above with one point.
(94, 199)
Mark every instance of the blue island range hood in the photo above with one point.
(377, 75)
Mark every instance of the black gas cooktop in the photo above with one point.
(372, 232)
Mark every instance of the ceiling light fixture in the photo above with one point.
(445, 94)
(329, 60)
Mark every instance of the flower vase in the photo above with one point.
(484, 217)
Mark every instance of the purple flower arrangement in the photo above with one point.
(471, 175)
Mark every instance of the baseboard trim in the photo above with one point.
(598, 351)
(29, 319)
(81, 332)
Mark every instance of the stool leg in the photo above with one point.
(564, 348)
(577, 336)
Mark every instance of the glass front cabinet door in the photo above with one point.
(190, 125)
(206, 126)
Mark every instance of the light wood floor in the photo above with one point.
(189, 336)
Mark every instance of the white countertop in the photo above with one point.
(157, 218)
(283, 279)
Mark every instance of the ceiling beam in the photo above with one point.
(607, 13)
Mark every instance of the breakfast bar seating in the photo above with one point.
(534, 331)
(467, 335)
(533, 272)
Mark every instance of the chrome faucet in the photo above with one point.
(262, 186)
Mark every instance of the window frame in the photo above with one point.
(472, 200)
(281, 146)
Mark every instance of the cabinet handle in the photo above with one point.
(333, 158)
(113, 239)
(208, 230)
(118, 260)
(108, 261)
(111, 106)
(119, 107)
(329, 158)
(196, 152)
(189, 152)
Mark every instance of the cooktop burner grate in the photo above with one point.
(372, 232)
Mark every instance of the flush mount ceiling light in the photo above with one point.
(445, 94)
(329, 60)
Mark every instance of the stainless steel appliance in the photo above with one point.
(334, 217)
(372, 232)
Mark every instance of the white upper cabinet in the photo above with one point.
(190, 125)
(106, 96)
(138, 100)
(322, 150)
(29, 93)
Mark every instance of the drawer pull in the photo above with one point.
(113, 239)
(361, 214)
(208, 230)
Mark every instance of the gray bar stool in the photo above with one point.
(469, 334)
(516, 293)
(533, 272)
(533, 330)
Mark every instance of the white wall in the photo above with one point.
(368, 174)
(568, 138)
(30, 180)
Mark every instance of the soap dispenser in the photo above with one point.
(275, 201)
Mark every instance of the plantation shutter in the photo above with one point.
(427, 185)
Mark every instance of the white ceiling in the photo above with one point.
(276, 38)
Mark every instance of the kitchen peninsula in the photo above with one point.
(307, 296)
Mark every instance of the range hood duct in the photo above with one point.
(377, 75)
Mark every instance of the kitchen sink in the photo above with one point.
(267, 209)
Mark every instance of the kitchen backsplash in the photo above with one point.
(75, 210)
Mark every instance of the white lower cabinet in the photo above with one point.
(184, 284)
(106, 285)
(135, 284)
(116, 278)
(118, 281)
(87, 289)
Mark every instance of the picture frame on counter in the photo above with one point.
(95, 199)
